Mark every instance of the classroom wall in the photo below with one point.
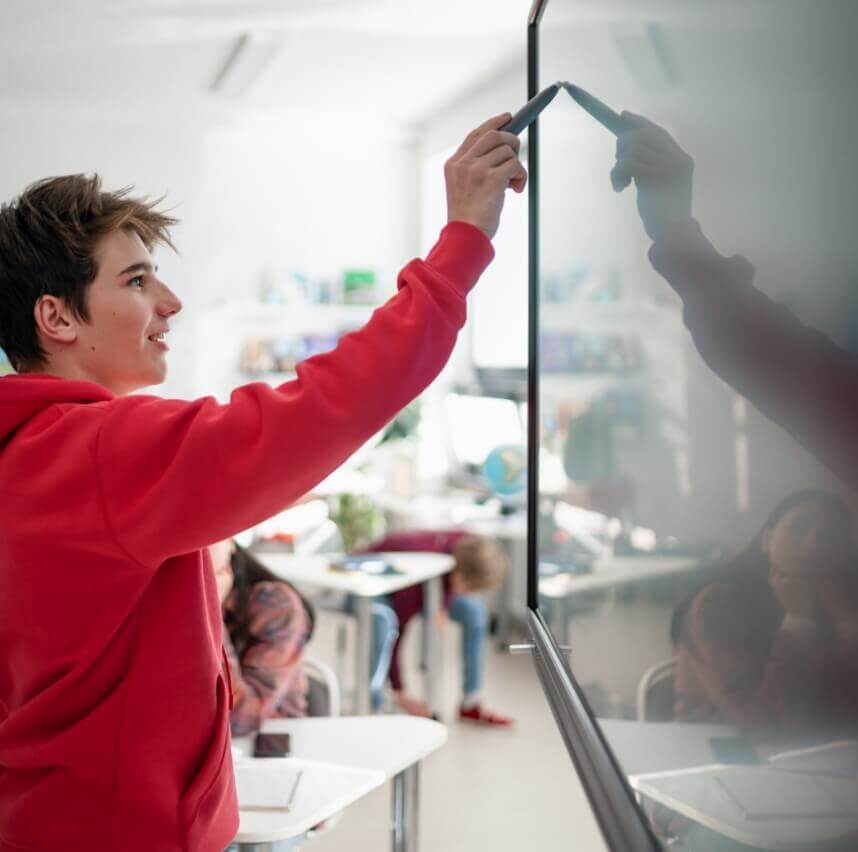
(253, 191)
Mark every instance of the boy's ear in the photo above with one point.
(54, 321)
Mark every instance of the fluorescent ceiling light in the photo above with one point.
(247, 59)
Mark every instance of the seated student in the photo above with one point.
(114, 699)
(770, 643)
(267, 624)
(480, 564)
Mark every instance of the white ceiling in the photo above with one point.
(398, 58)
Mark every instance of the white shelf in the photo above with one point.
(306, 313)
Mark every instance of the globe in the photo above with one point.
(505, 470)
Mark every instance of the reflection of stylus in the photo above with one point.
(528, 113)
(601, 112)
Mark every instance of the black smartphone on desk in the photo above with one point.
(271, 745)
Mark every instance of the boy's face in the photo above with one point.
(128, 304)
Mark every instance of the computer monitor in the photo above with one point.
(478, 424)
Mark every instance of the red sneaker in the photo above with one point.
(484, 717)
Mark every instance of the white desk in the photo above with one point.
(324, 789)
(425, 568)
(389, 746)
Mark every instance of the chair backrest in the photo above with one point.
(656, 692)
(323, 697)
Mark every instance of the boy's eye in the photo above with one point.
(136, 281)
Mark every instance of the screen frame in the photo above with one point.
(612, 800)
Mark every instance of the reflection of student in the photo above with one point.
(267, 624)
(114, 708)
(479, 565)
(772, 640)
(793, 374)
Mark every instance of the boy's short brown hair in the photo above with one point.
(480, 562)
(48, 237)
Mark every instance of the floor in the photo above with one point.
(486, 789)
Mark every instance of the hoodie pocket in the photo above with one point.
(209, 808)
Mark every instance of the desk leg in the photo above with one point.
(363, 609)
(406, 806)
(434, 661)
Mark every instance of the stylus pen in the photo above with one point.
(601, 112)
(528, 113)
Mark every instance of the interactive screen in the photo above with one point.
(696, 395)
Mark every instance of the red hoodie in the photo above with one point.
(114, 699)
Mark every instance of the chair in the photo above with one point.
(656, 692)
(323, 696)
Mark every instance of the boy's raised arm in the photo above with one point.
(177, 476)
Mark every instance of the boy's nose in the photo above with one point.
(170, 305)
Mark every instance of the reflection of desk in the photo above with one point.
(760, 806)
(659, 746)
(672, 763)
(426, 568)
(608, 574)
(391, 746)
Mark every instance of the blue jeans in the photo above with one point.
(469, 611)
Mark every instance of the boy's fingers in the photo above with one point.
(494, 123)
(515, 173)
(492, 139)
(497, 156)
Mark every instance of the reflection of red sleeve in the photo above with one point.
(795, 375)
(747, 686)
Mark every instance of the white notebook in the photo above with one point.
(268, 784)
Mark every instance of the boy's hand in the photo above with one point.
(479, 173)
(662, 172)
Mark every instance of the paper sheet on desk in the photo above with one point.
(789, 797)
(838, 758)
(758, 805)
(267, 783)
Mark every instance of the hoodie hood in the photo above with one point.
(23, 397)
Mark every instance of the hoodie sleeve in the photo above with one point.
(177, 476)
(795, 375)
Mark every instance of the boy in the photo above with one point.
(114, 716)
(479, 565)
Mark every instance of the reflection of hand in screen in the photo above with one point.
(661, 170)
